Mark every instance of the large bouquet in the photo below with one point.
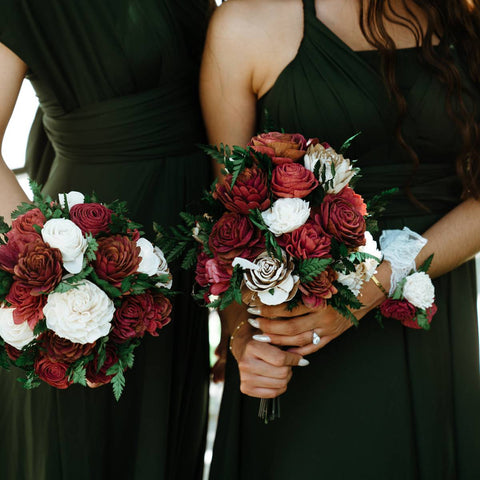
(79, 288)
(285, 226)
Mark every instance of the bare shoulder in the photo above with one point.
(263, 33)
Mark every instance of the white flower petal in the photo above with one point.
(73, 198)
(150, 261)
(286, 215)
(16, 335)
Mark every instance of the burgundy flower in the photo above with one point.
(39, 267)
(399, 310)
(307, 241)
(355, 199)
(12, 352)
(341, 218)
(101, 377)
(51, 372)
(91, 217)
(16, 244)
(249, 191)
(412, 323)
(64, 351)
(117, 258)
(163, 307)
(235, 236)
(24, 224)
(200, 271)
(211, 271)
(28, 307)
(133, 317)
(316, 292)
(280, 147)
(292, 180)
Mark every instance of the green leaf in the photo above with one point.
(379, 317)
(118, 380)
(345, 312)
(24, 208)
(101, 352)
(425, 266)
(347, 144)
(4, 227)
(103, 284)
(398, 293)
(422, 319)
(311, 268)
(6, 281)
(30, 381)
(190, 259)
(79, 374)
(40, 327)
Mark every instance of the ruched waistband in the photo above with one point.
(145, 126)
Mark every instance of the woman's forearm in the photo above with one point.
(11, 193)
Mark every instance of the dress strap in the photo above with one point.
(309, 7)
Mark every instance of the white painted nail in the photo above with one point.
(303, 362)
(262, 338)
(254, 322)
(254, 311)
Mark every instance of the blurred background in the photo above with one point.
(13, 152)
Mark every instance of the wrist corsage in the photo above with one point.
(411, 297)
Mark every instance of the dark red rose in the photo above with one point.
(91, 217)
(15, 246)
(23, 224)
(355, 199)
(39, 267)
(133, 317)
(292, 180)
(12, 352)
(101, 377)
(163, 307)
(413, 323)
(211, 271)
(63, 350)
(117, 258)
(53, 373)
(316, 292)
(280, 147)
(398, 310)
(307, 241)
(249, 191)
(235, 236)
(340, 218)
(28, 307)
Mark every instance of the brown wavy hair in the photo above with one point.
(457, 23)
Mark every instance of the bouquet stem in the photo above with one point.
(269, 409)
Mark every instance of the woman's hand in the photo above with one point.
(296, 328)
(265, 370)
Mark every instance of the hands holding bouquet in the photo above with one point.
(286, 235)
(79, 288)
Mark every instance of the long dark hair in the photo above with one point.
(457, 23)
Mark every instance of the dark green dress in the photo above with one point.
(117, 84)
(374, 404)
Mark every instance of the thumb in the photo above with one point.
(295, 360)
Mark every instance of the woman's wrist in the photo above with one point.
(371, 295)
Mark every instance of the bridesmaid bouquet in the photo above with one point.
(285, 226)
(79, 288)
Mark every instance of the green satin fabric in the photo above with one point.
(117, 83)
(375, 403)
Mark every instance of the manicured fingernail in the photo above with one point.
(303, 362)
(254, 322)
(262, 338)
(254, 311)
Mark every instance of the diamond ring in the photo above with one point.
(315, 338)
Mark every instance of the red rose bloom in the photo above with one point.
(53, 373)
(16, 244)
(210, 271)
(316, 292)
(249, 192)
(280, 147)
(235, 236)
(12, 352)
(91, 217)
(398, 310)
(28, 307)
(163, 307)
(63, 350)
(307, 241)
(200, 270)
(413, 323)
(355, 199)
(134, 316)
(292, 180)
(117, 258)
(24, 223)
(39, 267)
(341, 219)
(101, 377)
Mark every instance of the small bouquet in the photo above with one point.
(285, 226)
(79, 288)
